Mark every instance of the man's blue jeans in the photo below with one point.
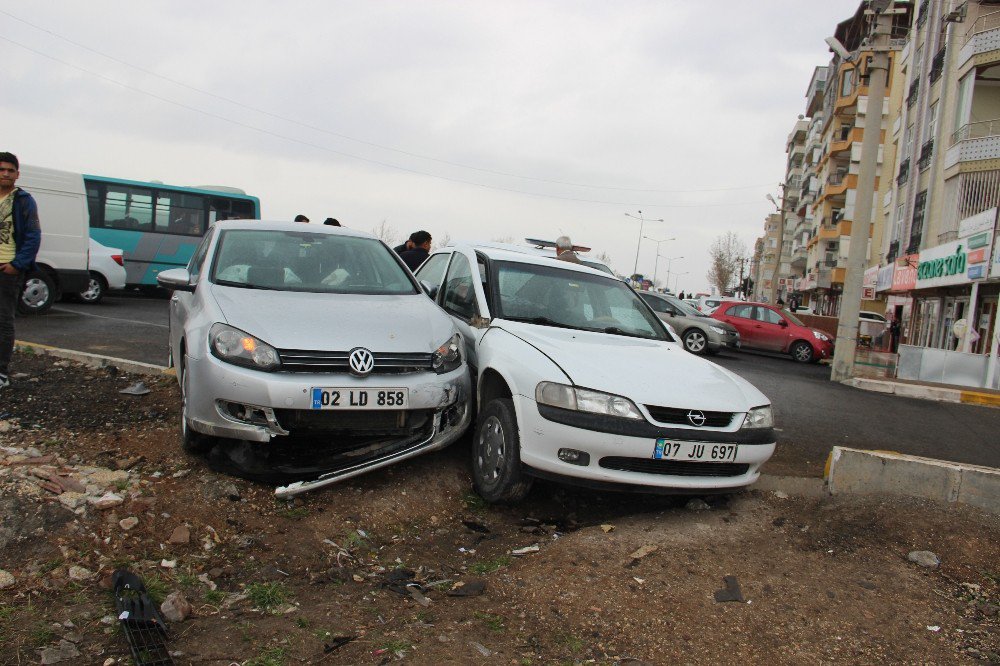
(10, 290)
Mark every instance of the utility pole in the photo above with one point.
(740, 283)
(847, 328)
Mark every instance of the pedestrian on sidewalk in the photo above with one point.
(20, 236)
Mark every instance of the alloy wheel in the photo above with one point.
(491, 449)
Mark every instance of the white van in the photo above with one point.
(63, 255)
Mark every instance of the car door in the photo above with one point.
(741, 318)
(431, 273)
(463, 297)
(770, 329)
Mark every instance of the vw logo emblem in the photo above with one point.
(361, 361)
(696, 418)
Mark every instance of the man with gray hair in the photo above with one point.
(564, 250)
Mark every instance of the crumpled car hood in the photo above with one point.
(647, 371)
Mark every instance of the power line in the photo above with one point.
(354, 139)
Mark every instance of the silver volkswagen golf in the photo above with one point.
(315, 348)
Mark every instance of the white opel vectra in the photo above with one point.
(314, 349)
(577, 379)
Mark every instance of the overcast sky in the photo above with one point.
(480, 120)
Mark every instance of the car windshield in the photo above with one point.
(598, 265)
(684, 307)
(307, 261)
(552, 296)
(792, 318)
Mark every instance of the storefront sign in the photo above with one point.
(870, 277)
(979, 223)
(884, 281)
(868, 293)
(949, 264)
(904, 278)
(995, 266)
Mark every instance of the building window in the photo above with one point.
(847, 83)
(917, 222)
(922, 13)
(937, 65)
(911, 99)
(926, 151)
(930, 129)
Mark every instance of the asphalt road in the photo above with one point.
(813, 414)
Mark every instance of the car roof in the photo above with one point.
(537, 250)
(505, 254)
(284, 225)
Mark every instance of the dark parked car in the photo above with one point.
(701, 334)
(770, 328)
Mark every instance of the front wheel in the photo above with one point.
(192, 441)
(802, 352)
(496, 455)
(38, 294)
(695, 341)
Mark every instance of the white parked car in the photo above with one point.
(311, 346)
(107, 271)
(577, 379)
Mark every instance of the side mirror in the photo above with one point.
(178, 279)
(783, 324)
(429, 289)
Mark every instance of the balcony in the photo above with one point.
(911, 99)
(914, 245)
(937, 65)
(973, 142)
(982, 41)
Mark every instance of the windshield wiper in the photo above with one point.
(614, 330)
(542, 321)
(244, 285)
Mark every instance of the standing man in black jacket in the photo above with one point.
(20, 236)
(421, 249)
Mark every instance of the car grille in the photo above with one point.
(365, 423)
(680, 416)
(673, 467)
(299, 360)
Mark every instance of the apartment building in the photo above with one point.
(939, 269)
(767, 257)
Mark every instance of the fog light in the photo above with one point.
(574, 457)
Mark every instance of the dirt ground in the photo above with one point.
(614, 578)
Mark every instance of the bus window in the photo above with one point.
(128, 208)
(230, 209)
(94, 205)
(178, 213)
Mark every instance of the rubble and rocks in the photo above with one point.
(176, 607)
(63, 651)
(924, 558)
(181, 535)
(128, 523)
(80, 574)
(6, 580)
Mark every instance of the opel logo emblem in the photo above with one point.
(361, 361)
(696, 418)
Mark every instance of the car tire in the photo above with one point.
(38, 293)
(802, 352)
(695, 341)
(192, 441)
(496, 460)
(95, 289)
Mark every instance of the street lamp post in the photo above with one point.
(656, 265)
(677, 277)
(670, 260)
(642, 221)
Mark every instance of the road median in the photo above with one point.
(860, 472)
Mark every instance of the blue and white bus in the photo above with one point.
(158, 226)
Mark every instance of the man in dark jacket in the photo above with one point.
(20, 236)
(421, 249)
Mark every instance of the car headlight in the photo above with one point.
(718, 329)
(585, 400)
(448, 356)
(240, 348)
(759, 417)
(821, 336)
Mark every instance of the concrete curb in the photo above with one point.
(936, 393)
(858, 472)
(96, 360)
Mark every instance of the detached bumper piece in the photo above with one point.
(142, 624)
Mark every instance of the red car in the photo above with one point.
(770, 328)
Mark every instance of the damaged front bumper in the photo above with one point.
(445, 429)
(276, 436)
